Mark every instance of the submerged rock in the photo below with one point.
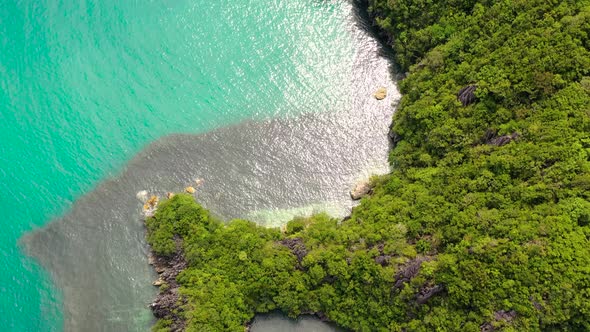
(142, 196)
(361, 190)
(380, 94)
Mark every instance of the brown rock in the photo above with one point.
(159, 282)
(380, 94)
(360, 190)
(190, 190)
(152, 202)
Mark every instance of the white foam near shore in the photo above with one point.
(278, 217)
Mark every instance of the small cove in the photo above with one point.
(305, 128)
(97, 252)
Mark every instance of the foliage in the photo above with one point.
(465, 234)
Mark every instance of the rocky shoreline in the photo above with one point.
(168, 304)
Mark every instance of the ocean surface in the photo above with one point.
(268, 101)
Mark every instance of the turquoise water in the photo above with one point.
(85, 85)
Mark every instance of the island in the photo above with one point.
(484, 222)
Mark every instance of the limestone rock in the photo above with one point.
(427, 292)
(169, 195)
(383, 260)
(150, 207)
(151, 259)
(158, 282)
(360, 190)
(380, 94)
(190, 190)
(151, 203)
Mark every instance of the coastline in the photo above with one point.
(110, 81)
(111, 210)
(172, 304)
(167, 305)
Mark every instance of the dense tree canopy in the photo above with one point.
(483, 225)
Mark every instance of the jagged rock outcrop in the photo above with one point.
(500, 315)
(361, 190)
(383, 260)
(409, 271)
(491, 138)
(167, 304)
(428, 291)
(296, 246)
(150, 206)
(503, 140)
(467, 95)
(393, 136)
